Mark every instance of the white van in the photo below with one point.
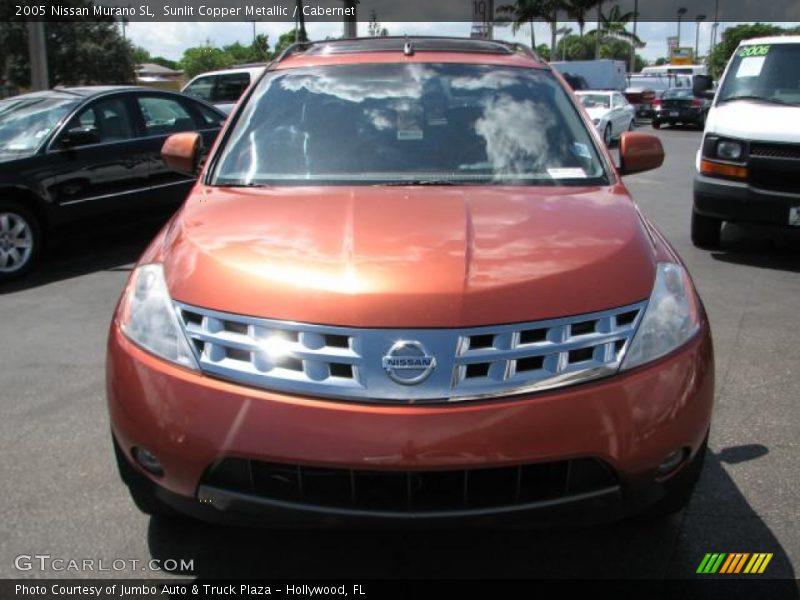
(223, 88)
(748, 166)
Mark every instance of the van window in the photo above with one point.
(763, 72)
(230, 87)
(201, 88)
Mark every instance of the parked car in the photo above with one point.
(680, 105)
(410, 285)
(610, 112)
(223, 88)
(748, 164)
(74, 153)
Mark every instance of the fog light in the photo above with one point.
(148, 461)
(672, 461)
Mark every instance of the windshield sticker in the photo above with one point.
(567, 173)
(409, 123)
(750, 66)
(760, 50)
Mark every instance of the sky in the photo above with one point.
(172, 38)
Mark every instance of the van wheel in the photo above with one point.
(141, 489)
(656, 124)
(20, 239)
(706, 231)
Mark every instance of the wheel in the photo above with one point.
(701, 121)
(20, 240)
(706, 231)
(656, 124)
(141, 489)
(607, 135)
(678, 490)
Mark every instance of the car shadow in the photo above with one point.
(759, 246)
(666, 548)
(95, 247)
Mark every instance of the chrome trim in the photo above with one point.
(126, 192)
(301, 358)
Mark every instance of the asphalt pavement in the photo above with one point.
(62, 497)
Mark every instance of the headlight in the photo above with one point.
(671, 319)
(729, 150)
(149, 319)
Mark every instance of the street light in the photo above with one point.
(563, 31)
(681, 12)
(698, 19)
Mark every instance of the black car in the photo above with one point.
(576, 82)
(75, 153)
(679, 105)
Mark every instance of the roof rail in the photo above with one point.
(400, 44)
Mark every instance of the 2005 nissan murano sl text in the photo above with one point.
(409, 285)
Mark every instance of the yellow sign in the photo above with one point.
(681, 56)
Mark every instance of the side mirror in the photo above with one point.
(639, 152)
(80, 136)
(700, 85)
(181, 152)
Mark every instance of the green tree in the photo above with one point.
(543, 50)
(526, 12)
(204, 58)
(140, 56)
(575, 47)
(164, 62)
(661, 61)
(261, 47)
(375, 29)
(287, 39)
(578, 9)
(78, 52)
(731, 37)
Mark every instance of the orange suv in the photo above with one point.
(409, 284)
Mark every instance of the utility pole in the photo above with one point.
(698, 19)
(633, 46)
(681, 12)
(37, 52)
(350, 21)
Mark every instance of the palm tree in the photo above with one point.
(527, 11)
(578, 9)
(614, 25)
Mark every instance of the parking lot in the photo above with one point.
(62, 495)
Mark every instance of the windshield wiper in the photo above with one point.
(759, 98)
(423, 182)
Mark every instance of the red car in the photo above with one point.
(410, 285)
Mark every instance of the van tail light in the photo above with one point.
(656, 102)
(697, 103)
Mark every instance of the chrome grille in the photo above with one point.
(471, 363)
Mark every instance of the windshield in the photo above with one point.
(673, 93)
(595, 100)
(651, 83)
(402, 123)
(764, 71)
(26, 122)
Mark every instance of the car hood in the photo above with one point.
(409, 256)
(755, 121)
(598, 112)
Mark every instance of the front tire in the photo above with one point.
(607, 135)
(20, 240)
(706, 231)
(656, 124)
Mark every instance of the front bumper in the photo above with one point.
(629, 422)
(738, 201)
